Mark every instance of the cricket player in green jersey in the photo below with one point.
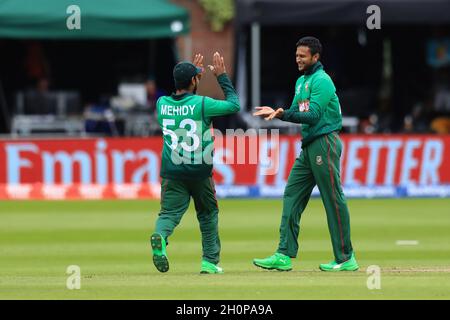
(316, 106)
(186, 163)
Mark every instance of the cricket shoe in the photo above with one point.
(159, 252)
(349, 265)
(210, 268)
(278, 261)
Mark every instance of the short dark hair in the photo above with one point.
(312, 43)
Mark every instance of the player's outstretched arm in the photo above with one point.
(213, 107)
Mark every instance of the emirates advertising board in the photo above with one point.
(249, 166)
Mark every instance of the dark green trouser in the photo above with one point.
(319, 163)
(175, 198)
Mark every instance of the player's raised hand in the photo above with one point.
(198, 62)
(218, 66)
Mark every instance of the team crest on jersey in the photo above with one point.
(303, 106)
(306, 86)
(319, 160)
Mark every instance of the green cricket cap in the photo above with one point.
(184, 71)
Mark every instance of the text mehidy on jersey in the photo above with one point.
(177, 110)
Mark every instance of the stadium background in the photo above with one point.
(78, 124)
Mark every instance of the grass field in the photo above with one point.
(109, 241)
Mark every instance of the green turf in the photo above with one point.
(109, 240)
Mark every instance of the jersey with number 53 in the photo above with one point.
(186, 123)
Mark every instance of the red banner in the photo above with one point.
(366, 160)
(108, 163)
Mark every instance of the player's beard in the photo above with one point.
(306, 66)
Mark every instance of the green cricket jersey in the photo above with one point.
(186, 122)
(315, 105)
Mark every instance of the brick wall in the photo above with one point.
(206, 42)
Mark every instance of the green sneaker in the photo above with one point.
(159, 252)
(278, 261)
(208, 267)
(349, 265)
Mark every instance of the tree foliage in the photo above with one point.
(218, 12)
